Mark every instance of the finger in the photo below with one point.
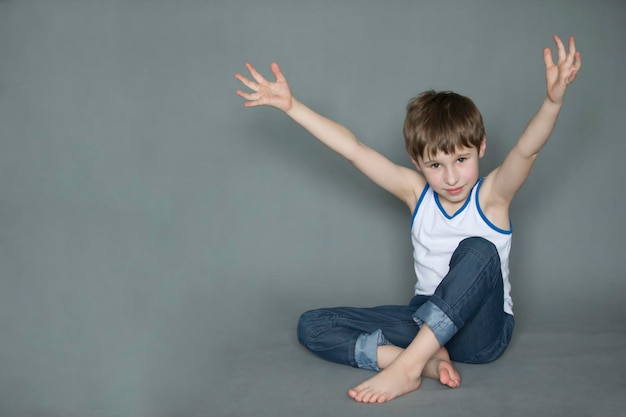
(277, 72)
(560, 49)
(252, 103)
(575, 67)
(250, 84)
(247, 96)
(255, 74)
(572, 49)
(547, 57)
(577, 61)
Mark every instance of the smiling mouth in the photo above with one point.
(455, 191)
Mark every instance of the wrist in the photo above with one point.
(556, 101)
(554, 104)
(292, 106)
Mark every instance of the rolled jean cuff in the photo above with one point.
(365, 350)
(438, 321)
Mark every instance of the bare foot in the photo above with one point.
(440, 367)
(391, 382)
(404, 374)
(394, 380)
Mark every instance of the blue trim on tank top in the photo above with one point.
(480, 211)
(485, 219)
(443, 211)
(418, 203)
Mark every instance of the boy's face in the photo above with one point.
(452, 176)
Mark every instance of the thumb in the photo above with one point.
(277, 72)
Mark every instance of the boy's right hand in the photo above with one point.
(276, 94)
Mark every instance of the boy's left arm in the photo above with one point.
(507, 179)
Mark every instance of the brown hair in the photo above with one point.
(441, 122)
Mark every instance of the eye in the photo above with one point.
(462, 159)
(435, 165)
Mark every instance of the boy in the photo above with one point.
(461, 233)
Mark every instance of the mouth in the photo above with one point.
(454, 191)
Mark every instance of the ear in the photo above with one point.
(417, 165)
(483, 146)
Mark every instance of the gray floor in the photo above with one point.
(555, 371)
(561, 371)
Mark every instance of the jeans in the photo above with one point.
(465, 314)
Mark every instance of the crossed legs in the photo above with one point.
(406, 342)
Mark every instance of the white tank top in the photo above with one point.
(436, 235)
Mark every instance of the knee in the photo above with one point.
(481, 248)
(479, 244)
(310, 324)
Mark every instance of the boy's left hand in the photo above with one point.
(563, 73)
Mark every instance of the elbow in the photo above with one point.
(354, 153)
(526, 153)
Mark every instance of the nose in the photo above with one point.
(452, 176)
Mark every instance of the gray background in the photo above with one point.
(158, 241)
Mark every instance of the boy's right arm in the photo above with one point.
(404, 183)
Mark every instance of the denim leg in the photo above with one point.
(351, 336)
(467, 307)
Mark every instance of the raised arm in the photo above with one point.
(507, 179)
(404, 183)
